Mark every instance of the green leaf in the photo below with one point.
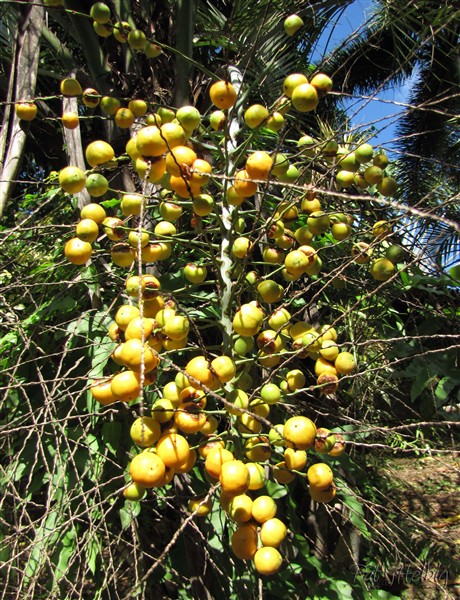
(111, 433)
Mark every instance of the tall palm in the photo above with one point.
(417, 40)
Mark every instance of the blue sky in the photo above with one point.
(382, 110)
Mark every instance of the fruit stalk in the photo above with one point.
(226, 223)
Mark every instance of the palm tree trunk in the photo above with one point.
(22, 84)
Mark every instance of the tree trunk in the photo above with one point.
(23, 81)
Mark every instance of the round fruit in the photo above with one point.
(234, 477)
(345, 363)
(373, 175)
(299, 433)
(26, 111)
(305, 97)
(189, 117)
(134, 492)
(248, 320)
(70, 120)
(224, 368)
(124, 118)
(255, 115)
(173, 449)
(382, 229)
(322, 83)
(339, 445)
(244, 541)
(282, 474)
(147, 469)
(195, 273)
(240, 508)
(292, 24)
(215, 459)
(102, 392)
(145, 431)
(121, 31)
(267, 560)
(259, 164)
(382, 269)
(152, 50)
(295, 460)
(72, 180)
(97, 185)
(110, 105)
(322, 495)
(292, 81)
(364, 153)
(324, 441)
(200, 506)
(70, 88)
(273, 532)
(99, 153)
(87, 230)
(222, 94)
(90, 97)
(77, 251)
(320, 475)
(198, 368)
(125, 386)
(100, 12)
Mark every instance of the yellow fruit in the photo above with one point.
(102, 392)
(70, 88)
(267, 560)
(243, 185)
(121, 31)
(70, 120)
(345, 363)
(26, 111)
(320, 475)
(77, 251)
(322, 495)
(273, 532)
(263, 508)
(124, 118)
(305, 97)
(87, 230)
(200, 506)
(257, 477)
(244, 541)
(99, 153)
(147, 469)
(295, 459)
(97, 185)
(282, 474)
(215, 459)
(173, 449)
(234, 477)
(299, 433)
(145, 431)
(91, 97)
(255, 115)
(222, 94)
(240, 508)
(125, 386)
(292, 81)
(134, 492)
(72, 180)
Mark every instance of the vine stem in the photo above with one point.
(227, 220)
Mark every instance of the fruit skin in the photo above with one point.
(322, 83)
(273, 532)
(200, 506)
(234, 477)
(195, 273)
(292, 81)
(382, 269)
(255, 115)
(244, 541)
(305, 97)
(320, 475)
(77, 251)
(99, 153)
(100, 12)
(70, 120)
(134, 492)
(292, 24)
(267, 560)
(72, 179)
(322, 495)
(26, 111)
(222, 94)
(145, 431)
(70, 88)
(147, 469)
(299, 433)
(87, 230)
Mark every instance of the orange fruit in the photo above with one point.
(243, 185)
(87, 230)
(222, 94)
(267, 560)
(188, 465)
(70, 87)
(147, 469)
(322, 495)
(259, 164)
(70, 120)
(244, 541)
(125, 386)
(263, 508)
(240, 508)
(282, 474)
(215, 459)
(26, 111)
(173, 449)
(234, 477)
(320, 475)
(200, 506)
(77, 251)
(299, 433)
(124, 118)
(102, 392)
(273, 532)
